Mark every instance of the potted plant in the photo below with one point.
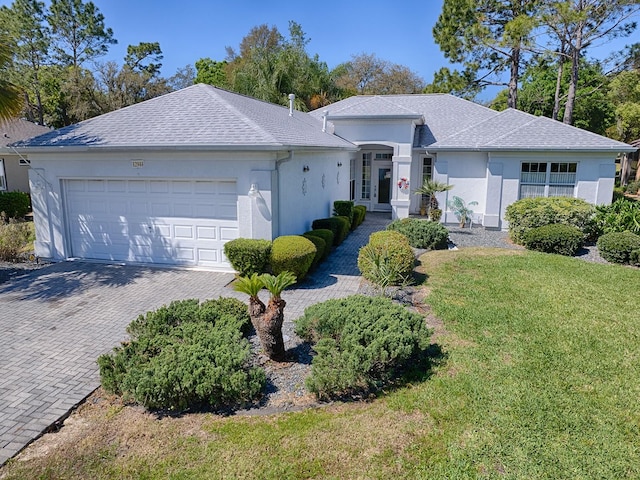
(461, 209)
(428, 190)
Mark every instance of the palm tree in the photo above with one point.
(429, 188)
(10, 100)
(267, 320)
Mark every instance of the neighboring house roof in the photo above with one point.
(200, 116)
(17, 129)
(452, 123)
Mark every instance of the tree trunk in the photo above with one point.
(573, 82)
(512, 101)
(556, 98)
(625, 169)
(269, 329)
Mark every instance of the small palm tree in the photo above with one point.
(428, 189)
(461, 209)
(10, 99)
(268, 320)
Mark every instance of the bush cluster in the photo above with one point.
(15, 204)
(530, 213)
(14, 237)
(422, 233)
(387, 259)
(292, 253)
(343, 208)
(321, 249)
(620, 216)
(185, 354)
(619, 247)
(324, 234)
(248, 256)
(359, 214)
(361, 343)
(632, 188)
(554, 238)
(330, 223)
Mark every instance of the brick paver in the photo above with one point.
(55, 322)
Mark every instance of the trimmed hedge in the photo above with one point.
(359, 214)
(324, 234)
(554, 238)
(387, 259)
(14, 204)
(422, 233)
(321, 248)
(185, 354)
(338, 225)
(292, 253)
(530, 213)
(248, 256)
(344, 208)
(619, 247)
(361, 343)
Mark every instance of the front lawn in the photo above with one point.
(540, 378)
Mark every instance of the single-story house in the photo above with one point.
(490, 157)
(170, 180)
(14, 167)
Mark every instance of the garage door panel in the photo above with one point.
(169, 222)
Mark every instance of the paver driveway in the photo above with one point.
(54, 322)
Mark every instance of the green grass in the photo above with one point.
(540, 378)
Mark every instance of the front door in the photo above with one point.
(382, 189)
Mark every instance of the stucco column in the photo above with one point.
(401, 195)
(40, 207)
(494, 195)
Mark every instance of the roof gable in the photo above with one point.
(197, 116)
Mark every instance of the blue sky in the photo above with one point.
(397, 31)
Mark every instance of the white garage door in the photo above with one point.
(152, 221)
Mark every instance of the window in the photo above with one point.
(3, 179)
(427, 174)
(352, 179)
(366, 176)
(384, 156)
(540, 179)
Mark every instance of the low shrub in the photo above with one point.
(321, 248)
(15, 204)
(554, 238)
(344, 208)
(618, 247)
(361, 343)
(344, 227)
(634, 257)
(330, 223)
(620, 216)
(387, 259)
(292, 253)
(326, 235)
(530, 213)
(632, 188)
(421, 233)
(359, 214)
(185, 354)
(248, 256)
(14, 237)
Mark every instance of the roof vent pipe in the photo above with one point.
(292, 97)
(325, 113)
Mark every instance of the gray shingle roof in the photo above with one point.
(199, 116)
(18, 129)
(451, 123)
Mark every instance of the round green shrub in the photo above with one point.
(422, 233)
(330, 223)
(361, 343)
(343, 208)
(617, 247)
(185, 354)
(248, 256)
(359, 214)
(634, 257)
(344, 227)
(326, 235)
(387, 259)
(531, 213)
(321, 247)
(632, 188)
(292, 253)
(554, 238)
(14, 204)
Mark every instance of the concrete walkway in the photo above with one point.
(56, 321)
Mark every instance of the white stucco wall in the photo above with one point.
(258, 217)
